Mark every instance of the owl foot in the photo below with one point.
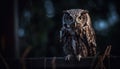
(79, 57)
(68, 57)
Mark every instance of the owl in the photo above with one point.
(77, 35)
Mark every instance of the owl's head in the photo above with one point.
(75, 18)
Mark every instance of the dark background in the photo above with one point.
(39, 21)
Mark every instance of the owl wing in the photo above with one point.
(90, 34)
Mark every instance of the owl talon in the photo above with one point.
(68, 57)
(79, 57)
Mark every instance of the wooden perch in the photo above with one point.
(59, 62)
(102, 57)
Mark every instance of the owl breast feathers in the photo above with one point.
(77, 34)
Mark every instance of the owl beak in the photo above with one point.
(75, 24)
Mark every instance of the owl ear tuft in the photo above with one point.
(65, 12)
(85, 11)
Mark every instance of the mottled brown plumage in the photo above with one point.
(77, 34)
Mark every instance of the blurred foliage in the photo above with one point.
(42, 32)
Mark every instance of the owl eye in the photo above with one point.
(69, 18)
(80, 17)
